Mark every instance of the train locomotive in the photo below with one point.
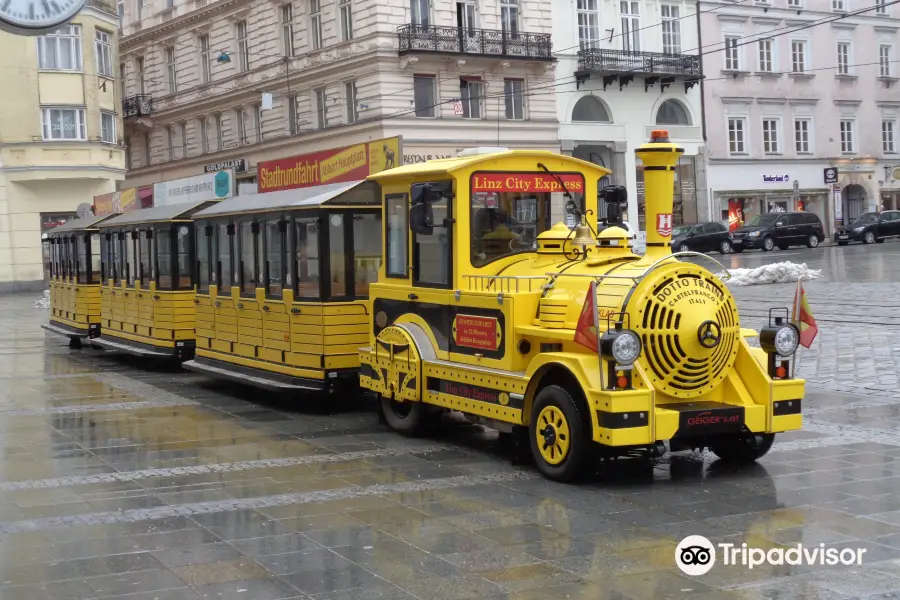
(560, 337)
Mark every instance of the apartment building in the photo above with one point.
(627, 67)
(795, 87)
(236, 82)
(60, 134)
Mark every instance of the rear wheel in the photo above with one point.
(725, 247)
(743, 449)
(813, 241)
(768, 244)
(407, 418)
(869, 238)
(559, 441)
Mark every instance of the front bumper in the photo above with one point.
(848, 236)
(747, 242)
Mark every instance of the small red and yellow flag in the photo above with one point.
(802, 317)
(586, 331)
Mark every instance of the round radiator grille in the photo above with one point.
(689, 326)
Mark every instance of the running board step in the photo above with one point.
(269, 384)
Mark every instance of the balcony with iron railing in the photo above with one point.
(485, 42)
(137, 106)
(102, 5)
(624, 65)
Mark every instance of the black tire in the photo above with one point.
(684, 248)
(783, 246)
(813, 241)
(737, 249)
(768, 244)
(869, 238)
(742, 449)
(75, 343)
(406, 418)
(725, 247)
(572, 467)
(843, 243)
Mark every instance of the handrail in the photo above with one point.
(638, 278)
(502, 279)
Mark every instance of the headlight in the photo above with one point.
(786, 341)
(626, 347)
(753, 234)
(858, 230)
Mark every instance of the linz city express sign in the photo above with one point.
(526, 182)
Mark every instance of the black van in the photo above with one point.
(781, 230)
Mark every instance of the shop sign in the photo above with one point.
(340, 165)
(420, 157)
(238, 164)
(526, 182)
(200, 188)
(116, 202)
(776, 178)
(838, 205)
(831, 175)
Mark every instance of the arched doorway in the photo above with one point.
(853, 198)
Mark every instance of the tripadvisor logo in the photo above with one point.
(696, 555)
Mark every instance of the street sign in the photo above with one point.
(831, 175)
(458, 108)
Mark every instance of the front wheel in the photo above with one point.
(684, 248)
(725, 247)
(869, 238)
(407, 418)
(744, 449)
(559, 442)
(768, 244)
(843, 243)
(813, 241)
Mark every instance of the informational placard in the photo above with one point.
(481, 333)
(526, 182)
(200, 188)
(338, 165)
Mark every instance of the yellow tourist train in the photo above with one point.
(147, 295)
(74, 266)
(282, 286)
(455, 285)
(560, 336)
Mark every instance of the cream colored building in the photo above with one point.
(61, 138)
(339, 72)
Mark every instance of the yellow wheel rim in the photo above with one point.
(553, 436)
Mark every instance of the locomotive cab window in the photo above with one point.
(430, 217)
(396, 207)
(510, 210)
(366, 251)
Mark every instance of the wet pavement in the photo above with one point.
(122, 479)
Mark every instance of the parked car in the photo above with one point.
(870, 227)
(702, 237)
(780, 230)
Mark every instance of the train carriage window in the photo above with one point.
(163, 241)
(45, 254)
(274, 253)
(128, 258)
(307, 258)
(397, 234)
(247, 258)
(203, 236)
(431, 252)
(123, 257)
(183, 247)
(146, 255)
(366, 251)
(96, 267)
(223, 272)
(81, 257)
(337, 256)
(53, 274)
(104, 257)
(64, 256)
(112, 241)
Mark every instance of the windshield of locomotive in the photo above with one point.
(509, 210)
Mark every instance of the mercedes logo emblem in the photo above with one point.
(710, 334)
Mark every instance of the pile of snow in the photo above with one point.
(783, 272)
(44, 301)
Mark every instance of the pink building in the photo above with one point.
(795, 87)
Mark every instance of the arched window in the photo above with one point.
(592, 109)
(672, 112)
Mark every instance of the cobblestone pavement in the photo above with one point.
(128, 480)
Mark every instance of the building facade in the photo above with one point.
(237, 82)
(60, 134)
(626, 68)
(795, 87)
